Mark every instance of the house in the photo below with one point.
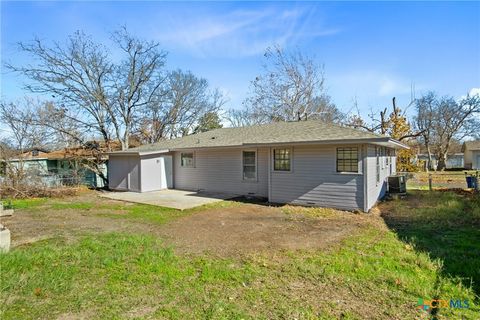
(454, 161)
(471, 149)
(57, 167)
(306, 162)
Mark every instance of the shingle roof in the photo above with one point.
(471, 145)
(274, 133)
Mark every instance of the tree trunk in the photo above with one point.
(104, 179)
(429, 164)
(442, 161)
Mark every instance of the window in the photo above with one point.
(347, 159)
(249, 165)
(377, 167)
(282, 159)
(389, 161)
(35, 153)
(187, 160)
(384, 153)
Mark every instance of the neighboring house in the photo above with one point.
(305, 162)
(57, 167)
(454, 161)
(471, 149)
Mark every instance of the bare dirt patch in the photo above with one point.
(256, 228)
(44, 222)
(245, 228)
(29, 227)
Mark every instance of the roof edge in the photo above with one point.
(398, 143)
(135, 153)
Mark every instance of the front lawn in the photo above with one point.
(424, 247)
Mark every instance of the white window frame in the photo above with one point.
(256, 166)
(193, 160)
(291, 160)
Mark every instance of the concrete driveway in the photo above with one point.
(177, 199)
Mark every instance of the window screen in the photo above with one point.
(347, 159)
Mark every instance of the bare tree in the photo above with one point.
(76, 75)
(136, 81)
(424, 122)
(454, 120)
(445, 120)
(40, 124)
(18, 122)
(22, 134)
(384, 122)
(177, 108)
(241, 118)
(290, 88)
(99, 95)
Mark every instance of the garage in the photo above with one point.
(140, 172)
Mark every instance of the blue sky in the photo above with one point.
(371, 50)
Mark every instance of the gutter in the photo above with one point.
(398, 143)
(135, 153)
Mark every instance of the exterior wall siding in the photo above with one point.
(32, 166)
(472, 160)
(220, 170)
(124, 173)
(476, 159)
(376, 191)
(314, 180)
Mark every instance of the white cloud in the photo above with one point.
(375, 82)
(240, 32)
(474, 92)
(390, 85)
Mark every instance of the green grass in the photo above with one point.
(430, 251)
(447, 227)
(110, 275)
(27, 203)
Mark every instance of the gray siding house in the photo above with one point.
(308, 163)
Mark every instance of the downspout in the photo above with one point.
(140, 180)
(269, 166)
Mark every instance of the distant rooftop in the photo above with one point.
(471, 145)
